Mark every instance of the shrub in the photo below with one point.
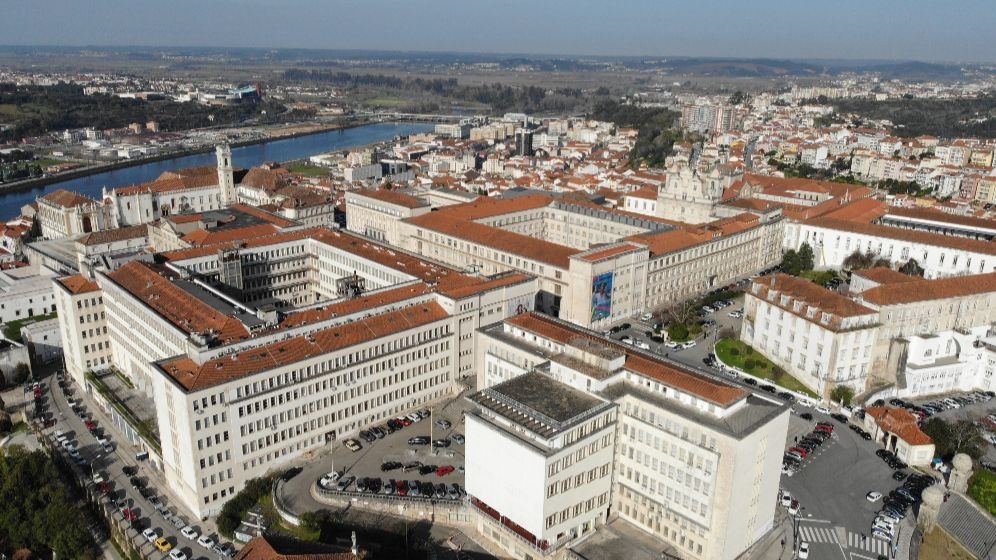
(6, 425)
(677, 332)
(233, 510)
(749, 364)
(734, 351)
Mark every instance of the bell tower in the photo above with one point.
(226, 179)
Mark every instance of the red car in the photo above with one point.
(800, 451)
(405, 421)
(129, 514)
(401, 487)
(105, 487)
(38, 392)
(824, 427)
(90, 424)
(444, 470)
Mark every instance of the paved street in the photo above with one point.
(112, 464)
(835, 518)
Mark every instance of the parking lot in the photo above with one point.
(130, 486)
(421, 463)
(835, 517)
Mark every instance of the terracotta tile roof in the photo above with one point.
(112, 235)
(461, 290)
(773, 287)
(668, 373)
(670, 241)
(266, 179)
(774, 185)
(78, 284)
(865, 210)
(926, 290)
(488, 236)
(67, 199)
(152, 285)
(171, 181)
(915, 236)
(883, 275)
(354, 305)
(260, 548)
(193, 376)
(393, 197)
(200, 237)
(270, 217)
(599, 254)
(900, 422)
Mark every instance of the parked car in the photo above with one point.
(418, 440)
(458, 438)
(352, 445)
(163, 545)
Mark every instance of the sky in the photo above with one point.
(928, 30)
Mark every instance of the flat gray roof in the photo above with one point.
(540, 403)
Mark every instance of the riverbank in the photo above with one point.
(31, 184)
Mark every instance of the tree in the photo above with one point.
(777, 373)
(806, 256)
(677, 331)
(6, 424)
(954, 437)
(912, 268)
(737, 98)
(842, 394)
(791, 263)
(680, 313)
(21, 372)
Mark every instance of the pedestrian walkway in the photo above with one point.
(973, 528)
(818, 534)
(868, 543)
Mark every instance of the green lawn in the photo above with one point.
(735, 353)
(12, 329)
(820, 277)
(982, 489)
(308, 170)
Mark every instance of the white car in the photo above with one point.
(735, 314)
(873, 496)
(189, 532)
(150, 535)
(647, 316)
(643, 345)
(794, 508)
(671, 344)
(803, 550)
(98, 478)
(329, 478)
(822, 410)
(786, 499)
(206, 541)
(689, 344)
(176, 554)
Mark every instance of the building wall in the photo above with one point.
(84, 332)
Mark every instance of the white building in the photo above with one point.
(695, 462)
(818, 336)
(539, 462)
(24, 293)
(62, 214)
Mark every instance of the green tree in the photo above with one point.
(791, 263)
(44, 518)
(6, 424)
(737, 98)
(806, 257)
(233, 510)
(842, 394)
(677, 332)
(777, 373)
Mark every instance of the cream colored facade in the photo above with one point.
(680, 473)
(83, 327)
(688, 196)
(378, 218)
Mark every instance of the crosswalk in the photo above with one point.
(814, 534)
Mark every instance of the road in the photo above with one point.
(112, 465)
(835, 518)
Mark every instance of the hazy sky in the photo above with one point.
(951, 30)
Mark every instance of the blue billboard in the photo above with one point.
(601, 296)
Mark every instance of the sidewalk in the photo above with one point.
(777, 544)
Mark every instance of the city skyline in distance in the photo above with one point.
(885, 30)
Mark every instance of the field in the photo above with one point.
(738, 354)
(938, 545)
(308, 170)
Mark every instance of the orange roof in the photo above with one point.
(668, 373)
(393, 197)
(599, 254)
(354, 305)
(773, 287)
(900, 422)
(152, 285)
(926, 290)
(112, 235)
(260, 549)
(67, 199)
(865, 210)
(208, 237)
(947, 217)
(883, 275)
(193, 376)
(645, 193)
(181, 179)
(488, 236)
(671, 241)
(274, 219)
(266, 179)
(78, 284)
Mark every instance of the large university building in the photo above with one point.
(596, 266)
(250, 353)
(571, 425)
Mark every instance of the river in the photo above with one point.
(286, 149)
